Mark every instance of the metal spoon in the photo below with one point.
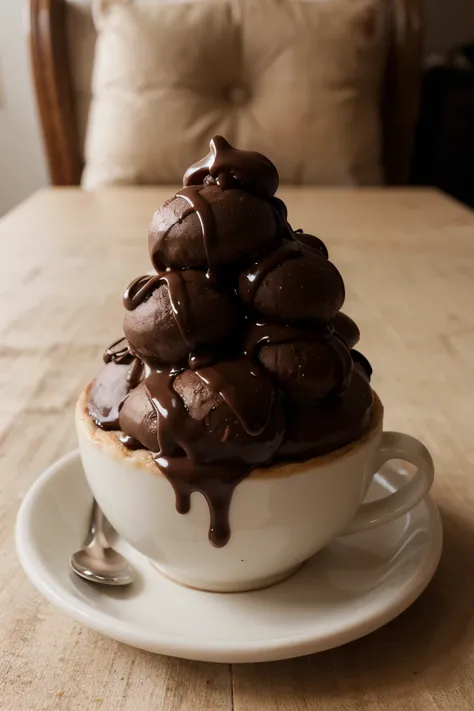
(97, 561)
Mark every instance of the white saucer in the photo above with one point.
(356, 585)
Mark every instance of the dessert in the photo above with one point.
(235, 352)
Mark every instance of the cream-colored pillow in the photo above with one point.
(296, 80)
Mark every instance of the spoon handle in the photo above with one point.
(96, 533)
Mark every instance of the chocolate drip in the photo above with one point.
(214, 481)
(143, 286)
(201, 207)
(256, 274)
(202, 358)
(170, 413)
(138, 290)
(135, 373)
(180, 306)
(263, 333)
(245, 399)
(118, 352)
(228, 166)
(176, 432)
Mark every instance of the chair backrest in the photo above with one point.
(62, 45)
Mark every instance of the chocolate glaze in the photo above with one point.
(143, 286)
(137, 291)
(214, 386)
(346, 328)
(362, 362)
(319, 359)
(180, 436)
(118, 352)
(207, 227)
(241, 385)
(226, 164)
(333, 423)
(216, 482)
(312, 242)
(199, 205)
(122, 372)
(175, 317)
(293, 283)
(254, 276)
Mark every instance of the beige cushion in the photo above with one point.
(298, 81)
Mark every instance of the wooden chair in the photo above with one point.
(62, 45)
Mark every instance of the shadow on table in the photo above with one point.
(432, 638)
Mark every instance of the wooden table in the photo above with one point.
(407, 257)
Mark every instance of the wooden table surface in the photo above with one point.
(407, 257)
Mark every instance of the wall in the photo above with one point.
(22, 162)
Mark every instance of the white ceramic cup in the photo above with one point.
(279, 516)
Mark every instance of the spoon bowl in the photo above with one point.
(97, 561)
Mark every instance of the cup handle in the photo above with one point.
(395, 445)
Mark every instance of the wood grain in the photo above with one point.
(408, 261)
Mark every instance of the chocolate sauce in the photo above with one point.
(346, 328)
(362, 361)
(251, 402)
(201, 358)
(216, 482)
(118, 352)
(138, 290)
(143, 286)
(228, 166)
(257, 273)
(312, 242)
(234, 383)
(262, 333)
(203, 210)
(135, 373)
(170, 412)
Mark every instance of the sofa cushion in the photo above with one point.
(297, 80)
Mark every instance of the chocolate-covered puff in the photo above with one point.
(308, 363)
(293, 283)
(121, 373)
(312, 242)
(238, 410)
(177, 313)
(312, 431)
(206, 227)
(226, 412)
(137, 418)
(347, 328)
